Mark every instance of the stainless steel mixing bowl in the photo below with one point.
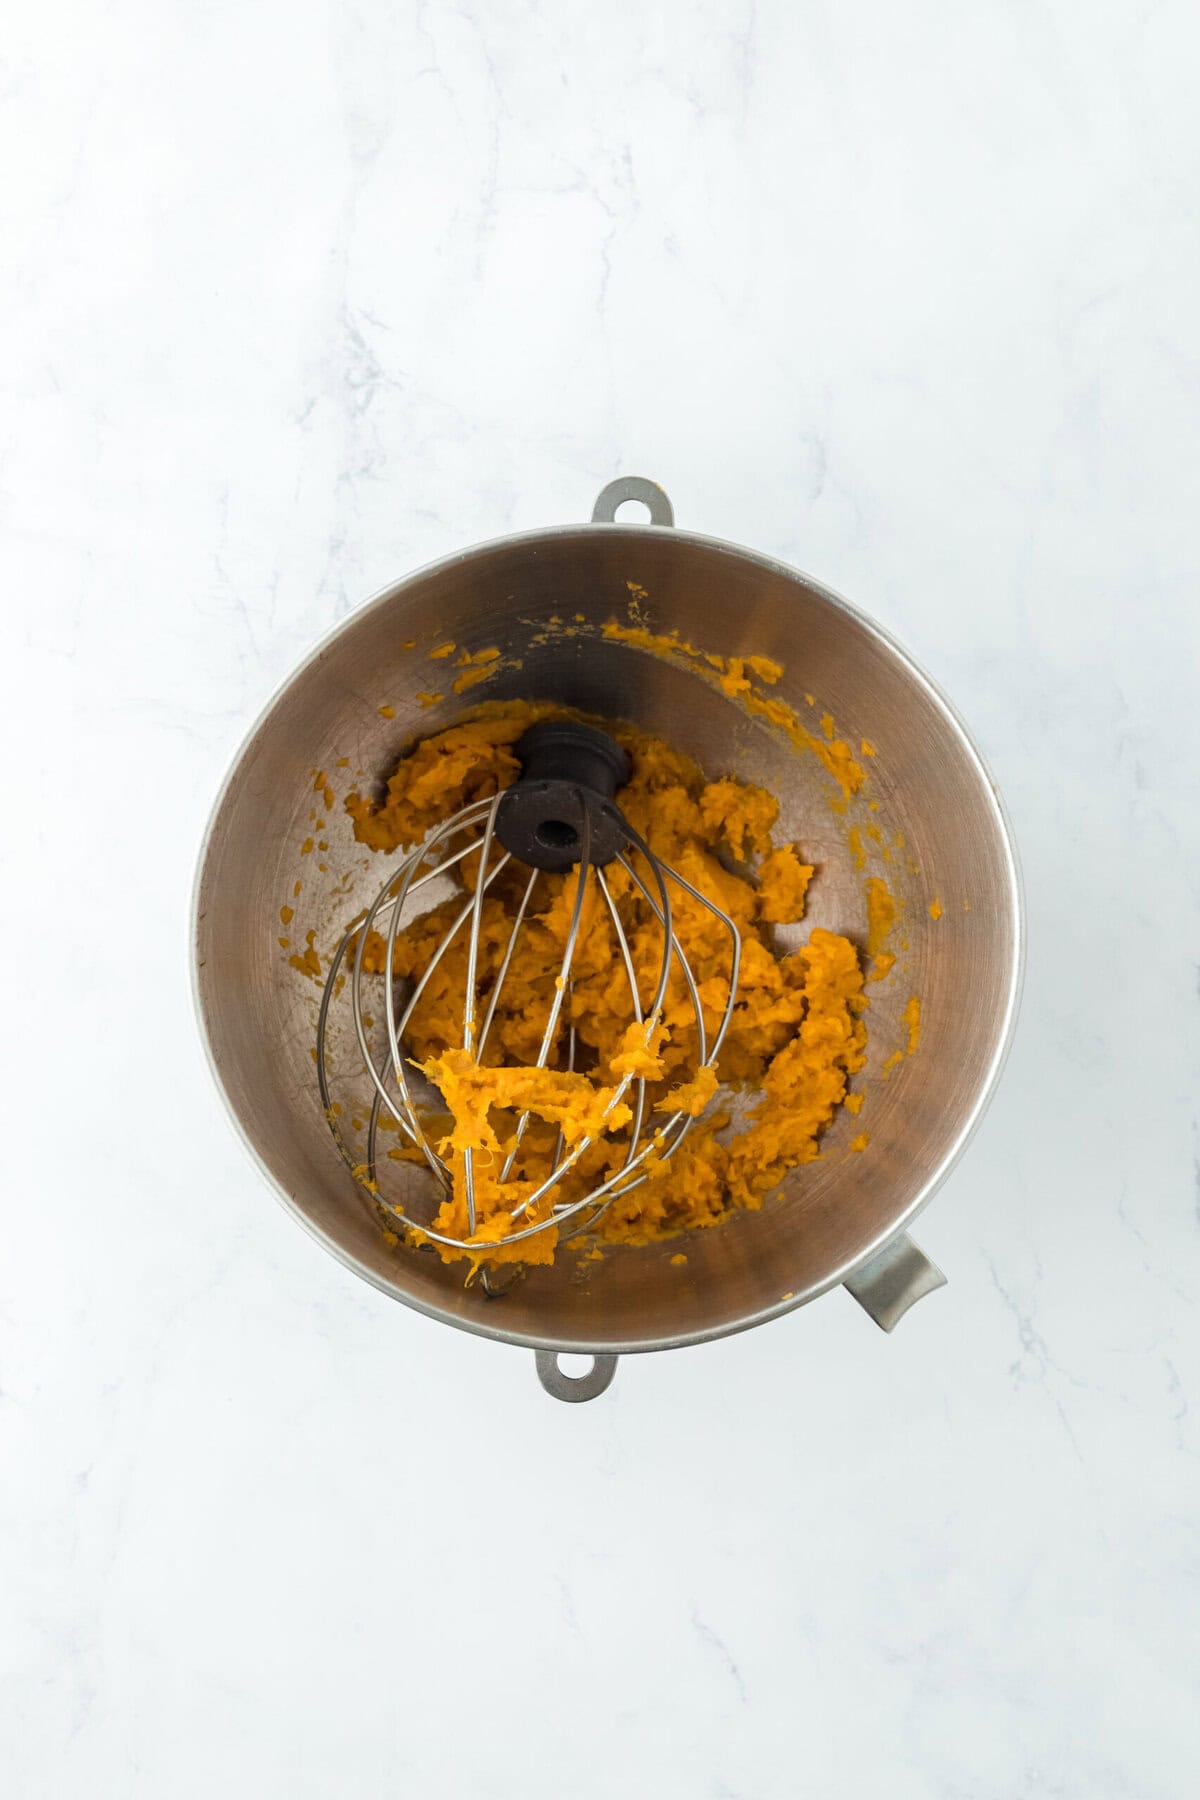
(840, 1219)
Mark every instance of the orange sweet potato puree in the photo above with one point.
(796, 1037)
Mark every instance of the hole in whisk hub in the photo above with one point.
(556, 834)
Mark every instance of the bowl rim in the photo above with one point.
(531, 540)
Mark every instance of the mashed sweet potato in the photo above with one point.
(795, 1039)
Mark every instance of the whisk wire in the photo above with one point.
(560, 987)
(475, 911)
(510, 946)
(635, 1129)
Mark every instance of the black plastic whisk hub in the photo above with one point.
(564, 796)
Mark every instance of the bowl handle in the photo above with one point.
(632, 487)
(556, 1381)
(885, 1287)
(894, 1280)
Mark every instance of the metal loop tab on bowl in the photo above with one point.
(633, 487)
(556, 1381)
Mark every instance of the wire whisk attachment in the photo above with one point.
(478, 1005)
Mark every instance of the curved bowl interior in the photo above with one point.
(941, 837)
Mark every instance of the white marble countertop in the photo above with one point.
(297, 297)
